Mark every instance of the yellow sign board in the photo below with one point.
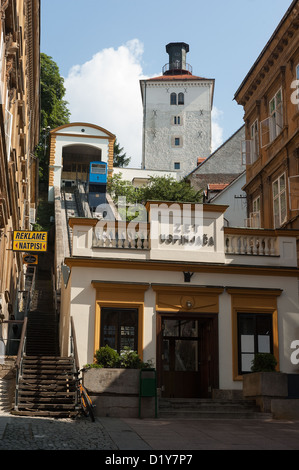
(24, 240)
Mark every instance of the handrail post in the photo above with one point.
(74, 353)
(19, 361)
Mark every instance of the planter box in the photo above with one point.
(115, 392)
(264, 386)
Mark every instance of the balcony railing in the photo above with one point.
(255, 243)
(125, 235)
(177, 68)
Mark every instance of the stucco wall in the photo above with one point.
(194, 130)
(83, 305)
(223, 165)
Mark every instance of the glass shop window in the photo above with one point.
(119, 328)
(255, 335)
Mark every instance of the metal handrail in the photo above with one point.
(19, 361)
(22, 345)
(74, 353)
(73, 343)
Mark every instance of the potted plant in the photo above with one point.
(113, 381)
(264, 362)
(264, 382)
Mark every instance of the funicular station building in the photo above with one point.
(195, 297)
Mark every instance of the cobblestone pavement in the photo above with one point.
(132, 434)
(23, 433)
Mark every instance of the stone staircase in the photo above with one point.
(46, 384)
(198, 408)
(47, 387)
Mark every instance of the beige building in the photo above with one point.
(195, 297)
(19, 118)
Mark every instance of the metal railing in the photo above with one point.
(19, 361)
(178, 68)
(23, 338)
(74, 354)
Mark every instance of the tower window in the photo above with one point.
(176, 142)
(173, 98)
(177, 120)
(181, 98)
(177, 166)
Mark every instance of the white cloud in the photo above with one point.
(105, 91)
(217, 131)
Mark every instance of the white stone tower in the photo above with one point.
(176, 115)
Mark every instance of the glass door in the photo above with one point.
(184, 358)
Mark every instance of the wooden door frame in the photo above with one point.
(213, 317)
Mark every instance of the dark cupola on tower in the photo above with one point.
(177, 65)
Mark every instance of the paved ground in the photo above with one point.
(113, 435)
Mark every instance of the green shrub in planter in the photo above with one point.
(108, 358)
(130, 360)
(264, 362)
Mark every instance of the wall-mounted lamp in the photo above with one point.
(187, 276)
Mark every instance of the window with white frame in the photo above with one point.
(256, 213)
(272, 126)
(279, 200)
(250, 148)
(8, 129)
(276, 115)
(254, 147)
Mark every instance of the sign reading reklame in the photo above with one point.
(24, 240)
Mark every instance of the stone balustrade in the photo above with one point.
(131, 235)
(251, 244)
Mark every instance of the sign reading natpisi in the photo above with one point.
(24, 240)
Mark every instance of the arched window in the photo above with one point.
(181, 98)
(173, 98)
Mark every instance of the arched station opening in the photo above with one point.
(76, 160)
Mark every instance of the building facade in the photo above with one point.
(196, 298)
(19, 127)
(222, 166)
(269, 96)
(176, 115)
(72, 148)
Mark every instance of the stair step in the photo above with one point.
(45, 413)
(46, 406)
(209, 409)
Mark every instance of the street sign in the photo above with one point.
(30, 259)
(24, 240)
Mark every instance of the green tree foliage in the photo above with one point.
(120, 158)
(54, 110)
(166, 188)
(160, 188)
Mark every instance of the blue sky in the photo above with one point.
(103, 49)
